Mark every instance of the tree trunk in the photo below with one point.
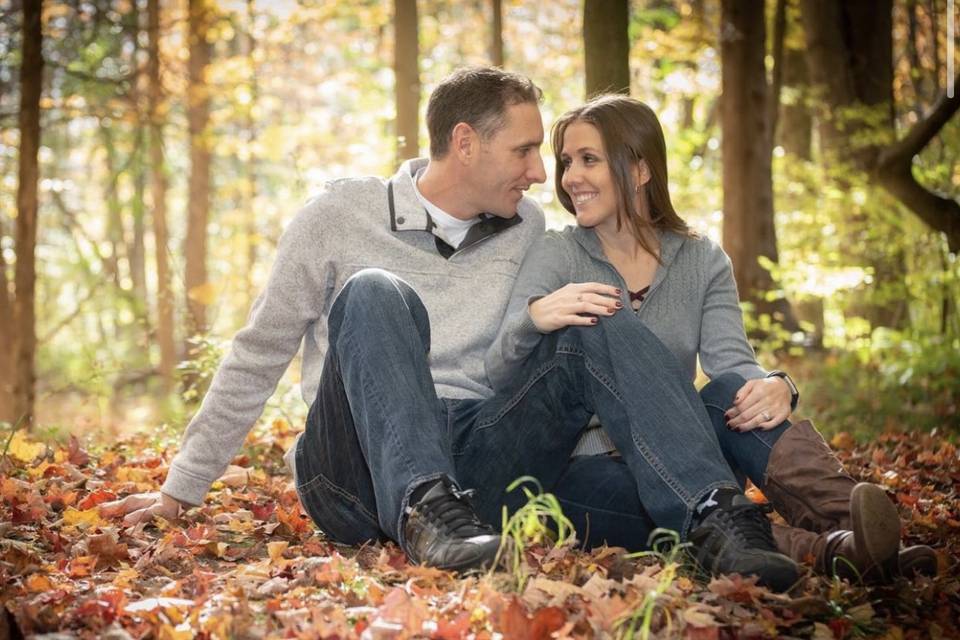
(606, 46)
(407, 78)
(850, 57)
(31, 80)
(6, 329)
(136, 251)
(250, 195)
(158, 193)
(796, 123)
(496, 33)
(198, 198)
(748, 224)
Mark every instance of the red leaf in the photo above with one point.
(95, 498)
(455, 629)
(76, 454)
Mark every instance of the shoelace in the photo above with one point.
(750, 521)
(452, 513)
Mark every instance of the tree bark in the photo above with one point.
(496, 33)
(198, 198)
(6, 329)
(748, 224)
(849, 49)
(407, 78)
(796, 123)
(158, 193)
(606, 46)
(31, 80)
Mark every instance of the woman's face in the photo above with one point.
(587, 178)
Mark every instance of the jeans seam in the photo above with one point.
(346, 495)
(516, 398)
(588, 508)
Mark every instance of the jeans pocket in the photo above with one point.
(338, 514)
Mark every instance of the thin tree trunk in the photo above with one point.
(748, 224)
(31, 80)
(136, 251)
(796, 123)
(158, 192)
(606, 46)
(6, 329)
(496, 33)
(198, 198)
(407, 78)
(251, 165)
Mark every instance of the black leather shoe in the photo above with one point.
(738, 539)
(442, 530)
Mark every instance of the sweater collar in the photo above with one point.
(407, 213)
(670, 243)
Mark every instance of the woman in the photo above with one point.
(612, 175)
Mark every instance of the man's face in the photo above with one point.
(509, 162)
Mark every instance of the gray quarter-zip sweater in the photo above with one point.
(354, 224)
(692, 306)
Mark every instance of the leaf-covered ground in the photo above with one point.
(249, 564)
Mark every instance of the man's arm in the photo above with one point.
(248, 376)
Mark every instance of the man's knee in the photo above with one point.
(374, 290)
(719, 392)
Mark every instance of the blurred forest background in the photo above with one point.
(152, 151)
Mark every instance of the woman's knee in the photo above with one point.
(720, 391)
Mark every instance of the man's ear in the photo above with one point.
(464, 142)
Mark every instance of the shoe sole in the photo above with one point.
(876, 527)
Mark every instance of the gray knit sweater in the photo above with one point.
(692, 305)
(347, 228)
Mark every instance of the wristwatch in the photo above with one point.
(794, 393)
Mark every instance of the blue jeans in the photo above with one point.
(377, 429)
(598, 493)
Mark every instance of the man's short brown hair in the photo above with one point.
(478, 96)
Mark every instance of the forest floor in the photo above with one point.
(248, 564)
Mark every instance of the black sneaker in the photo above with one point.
(738, 539)
(443, 531)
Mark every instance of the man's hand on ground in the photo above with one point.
(142, 507)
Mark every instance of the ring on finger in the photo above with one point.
(766, 416)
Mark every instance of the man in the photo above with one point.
(396, 288)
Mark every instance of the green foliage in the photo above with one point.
(197, 371)
(889, 380)
(540, 520)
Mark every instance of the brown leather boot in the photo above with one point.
(806, 483)
(868, 552)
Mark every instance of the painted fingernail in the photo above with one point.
(618, 304)
(618, 292)
(593, 321)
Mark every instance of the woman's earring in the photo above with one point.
(638, 189)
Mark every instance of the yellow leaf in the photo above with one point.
(87, 518)
(204, 293)
(24, 450)
(36, 583)
(276, 549)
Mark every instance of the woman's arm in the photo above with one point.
(543, 300)
(762, 402)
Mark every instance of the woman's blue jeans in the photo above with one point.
(597, 492)
(377, 429)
